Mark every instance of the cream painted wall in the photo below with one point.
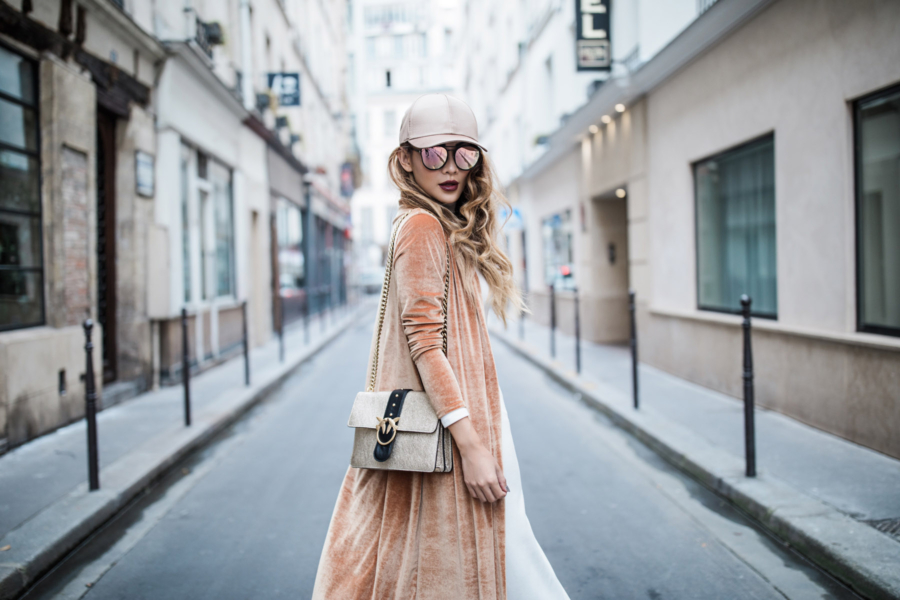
(793, 70)
(188, 106)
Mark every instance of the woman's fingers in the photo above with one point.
(502, 479)
(473, 490)
(496, 490)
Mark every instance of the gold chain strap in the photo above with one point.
(384, 292)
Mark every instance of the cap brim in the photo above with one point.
(442, 138)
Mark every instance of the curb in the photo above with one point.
(45, 539)
(857, 554)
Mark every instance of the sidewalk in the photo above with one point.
(45, 507)
(822, 494)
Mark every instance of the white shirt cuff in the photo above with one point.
(454, 415)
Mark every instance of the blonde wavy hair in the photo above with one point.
(474, 230)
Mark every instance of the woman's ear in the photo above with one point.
(405, 160)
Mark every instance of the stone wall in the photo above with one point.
(41, 387)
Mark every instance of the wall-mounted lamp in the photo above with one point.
(593, 129)
(620, 193)
(620, 107)
(612, 253)
(606, 119)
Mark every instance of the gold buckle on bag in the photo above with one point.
(386, 425)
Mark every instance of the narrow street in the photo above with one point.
(247, 516)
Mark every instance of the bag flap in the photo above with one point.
(417, 415)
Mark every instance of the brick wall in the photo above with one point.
(76, 246)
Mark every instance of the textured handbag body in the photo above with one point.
(399, 430)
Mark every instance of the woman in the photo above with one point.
(464, 534)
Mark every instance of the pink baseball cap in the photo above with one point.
(437, 119)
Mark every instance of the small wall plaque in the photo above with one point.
(143, 171)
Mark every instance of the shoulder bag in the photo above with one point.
(399, 430)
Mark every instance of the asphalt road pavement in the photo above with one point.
(247, 516)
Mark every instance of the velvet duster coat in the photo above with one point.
(400, 535)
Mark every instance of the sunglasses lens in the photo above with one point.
(467, 157)
(434, 158)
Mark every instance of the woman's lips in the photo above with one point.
(449, 186)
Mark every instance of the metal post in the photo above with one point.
(634, 349)
(322, 308)
(306, 301)
(749, 426)
(246, 346)
(90, 409)
(185, 368)
(332, 309)
(281, 329)
(577, 335)
(552, 321)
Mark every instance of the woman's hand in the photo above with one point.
(482, 474)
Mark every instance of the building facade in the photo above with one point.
(144, 155)
(753, 152)
(76, 111)
(399, 51)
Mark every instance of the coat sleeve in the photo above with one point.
(420, 262)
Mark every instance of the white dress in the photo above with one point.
(529, 575)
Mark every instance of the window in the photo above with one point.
(291, 266)
(185, 224)
(21, 264)
(735, 204)
(558, 250)
(224, 228)
(878, 212)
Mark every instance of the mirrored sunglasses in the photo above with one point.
(466, 157)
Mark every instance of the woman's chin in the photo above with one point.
(444, 197)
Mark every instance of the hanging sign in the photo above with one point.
(592, 36)
(286, 86)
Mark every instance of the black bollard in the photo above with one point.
(552, 321)
(577, 335)
(322, 308)
(332, 306)
(90, 409)
(185, 368)
(749, 425)
(306, 317)
(281, 329)
(246, 346)
(634, 349)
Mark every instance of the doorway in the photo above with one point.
(609, 235)
(106, 240)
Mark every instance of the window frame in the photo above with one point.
(735, 148)
(861, 326)
(36, 155)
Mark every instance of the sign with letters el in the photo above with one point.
(286, 87)
(592, 40)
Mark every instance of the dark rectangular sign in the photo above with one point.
(286, 87)
(592, 40)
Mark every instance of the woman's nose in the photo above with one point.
(450, 166)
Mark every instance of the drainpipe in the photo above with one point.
(246, 57)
